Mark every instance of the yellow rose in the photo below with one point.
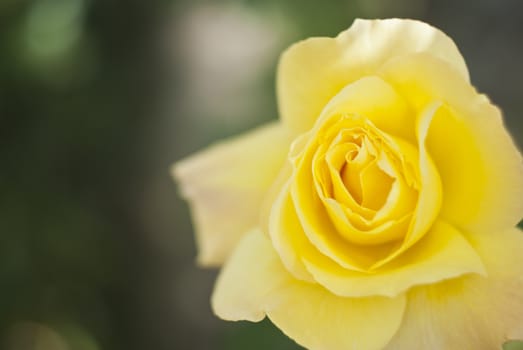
(388, 195)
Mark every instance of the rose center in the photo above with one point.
(365, 178)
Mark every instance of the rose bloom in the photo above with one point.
(379, 212)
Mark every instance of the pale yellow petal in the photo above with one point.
(248, 284)
(471, 312)
(319, 320)
(312, 71)
(480, 167)
(254, 283)
(372, 98)
(225, 186)
(287, 236)
(442, 254)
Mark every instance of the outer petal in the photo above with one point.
(481, 169)
(472, 312)
(225, 185)
(254, 283)
(312, 71)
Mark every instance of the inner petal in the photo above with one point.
(355, 162)
(330, 166)
(366, 172)
(349, 226)
(364, 177)
(376, 185)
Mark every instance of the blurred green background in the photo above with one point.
(99, 97)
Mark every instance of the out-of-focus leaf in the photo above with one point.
(256, 336)
(513, 345)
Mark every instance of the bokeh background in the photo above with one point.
(99, 97)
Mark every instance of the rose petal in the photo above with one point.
(312, 71)
(254, 283)
(430, 195)
(225, 185)
(480, 167)
(292, 242)
(471, 312)
(367, 100)
(318, 227)
(287, 235)
(442, 254)
(371, 97)
(392, 220)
